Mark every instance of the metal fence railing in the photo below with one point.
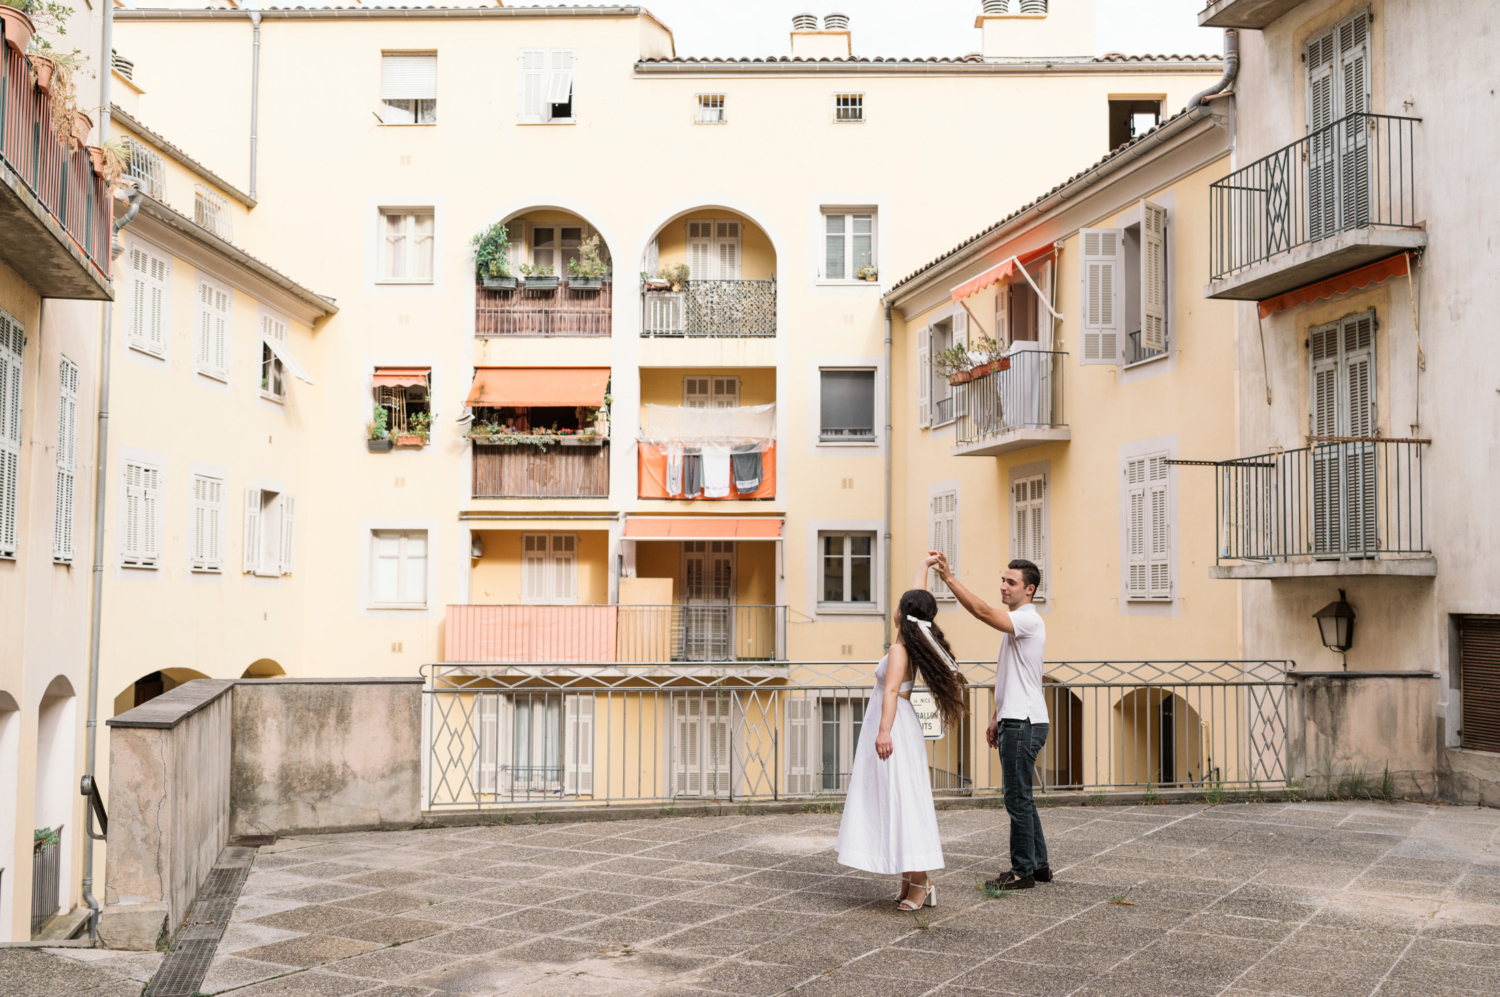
(497, 736)
(211, 211)
(1358, 172)
(1135, 352)
(62, 179)
(730, 309)
(556, 470)
(532, 311)
(1026, 393)
(694, 632)
(1338, 498)
(46, 886)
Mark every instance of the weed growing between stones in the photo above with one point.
(1214, 792)
(1099, 798)
(922, 921)
(1152, 797)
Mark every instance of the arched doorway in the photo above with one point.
(151, 685)
(10, 764)
(1160, 740)
(55, 789)
(1061, 764)
(265, 668)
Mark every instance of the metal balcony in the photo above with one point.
(711, 309)
(693, 632)
(1015, 407)
(558, 311)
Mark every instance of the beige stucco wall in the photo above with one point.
(1361, 726)
(495, 578)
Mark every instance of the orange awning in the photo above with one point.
(1374, 273)
(400, 377)
(996, 273)
(701, 528)
(556, 387)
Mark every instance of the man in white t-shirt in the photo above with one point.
(1020, 722)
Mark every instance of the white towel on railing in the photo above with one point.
(716, 472)
(674, 470)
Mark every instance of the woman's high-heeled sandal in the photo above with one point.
(929, 898)
(905, 886)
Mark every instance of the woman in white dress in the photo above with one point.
(889, 824)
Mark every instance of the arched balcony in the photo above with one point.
(709, 273)
(553, 278)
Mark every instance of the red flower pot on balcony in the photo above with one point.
(409, 440)
(18, 28)
(42, 67)
(82, 125)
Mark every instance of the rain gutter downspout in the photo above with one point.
(254, 93)
(889, 445)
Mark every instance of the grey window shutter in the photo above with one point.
(1101, 295)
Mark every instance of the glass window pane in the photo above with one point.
(395, 246)
(863, 251)
(833, 568)
(415, 580)
(859, 545)
(834, 268)
(848, 403)
(859, 578)
(422, 247)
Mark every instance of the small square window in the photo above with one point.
(848, 245)
(711, 109)
(406, 245)
(848, 567)
(847, 404)
(848, 107)
(408, 88)
(398, 569)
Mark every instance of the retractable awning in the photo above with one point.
(279, 350)
(400, 377)
(701, 528)
(996, 273)
(539, 387)
(1374, 273)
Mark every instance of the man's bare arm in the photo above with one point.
(996, 616)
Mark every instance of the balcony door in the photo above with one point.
(701, 744)
(1338, 155)
(708, 568)
(1343, 422)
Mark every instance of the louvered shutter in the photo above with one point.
(146, 324)
(288, 519)
(835, 257)
(1479, 680)
(1002, 315)
(67, 461)
(484, 773)
(1153, 276)
(150, 513)
(1320, 114)
(1101, 294)
(700, 250)
(564, 568)
(687, 735)
(12, 350)
(1357, 395)
(1352, 84)
(1137, 585)
(961, 338)
(727, 250)
(214, 549)
(697, 392)
(924, 377)
(1028, 499)
(945, 536)
(271, 513)
(213, 330)
(407, 76)
(800, 750)
(559, 79)
(534, 568)
(251, 552)
(1159, 578)
(533, 81)
(198, 537)
(716, 729)
(726, 392)
(578, 745)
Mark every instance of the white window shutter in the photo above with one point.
(269, 557)
(1160, 578)
(1028, 499)
(1153, 276)
(149, 512)
(578, 746)
(726, 250)
(67, 461)
(944, 533)
(726, 392)
(697, 392)
(533, 80)
(559, 79)
(1002, 315)
(564, 569)
(288, 518)
(924, 377)
(1135, 496)
(534, 568)
(1043, 316)
(1100, 295)
(800, 748)
(961, 338)
(198, 536)
(408, 76)
(687, 740)
(12, 351)
(486, 742)
(251, 553)
(700, 251)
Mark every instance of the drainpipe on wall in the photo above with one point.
(254, 92)
(889, 446)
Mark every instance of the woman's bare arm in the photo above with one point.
(928, 563)
(895, 675)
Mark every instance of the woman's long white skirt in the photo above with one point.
(889, 823)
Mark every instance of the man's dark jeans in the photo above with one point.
(1020, 742)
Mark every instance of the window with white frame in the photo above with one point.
(549, 569)
(846, 402)
(711, 109)
(944, 534)
(398, 569)
(12, 349)
(554, 245)
(531, 745)
(270, 519)
(822, 733)
(713, 249)
(547, 85)
(211, 211)
(1101, 301)
(211, 330)
(711, 392)
(848, 568)
(206, 540)
(848, 244)
(1148, 517)
(848, 107)
(67, 461)
(408, 88)
(1028, 541)
(146, 320)
(273, 374)
(700, 743)
(938, 402)
(406, 245)
(140, 545)
(1125, 274)
(147, 168)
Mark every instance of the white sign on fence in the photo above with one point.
(927, 714)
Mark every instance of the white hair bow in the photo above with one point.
(926, 627)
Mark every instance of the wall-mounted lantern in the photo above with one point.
(1336, 625)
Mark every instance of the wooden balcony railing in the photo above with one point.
(563, 469)
(561, 311)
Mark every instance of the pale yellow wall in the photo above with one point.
(663, 386)
(180, 183)
(496, 578)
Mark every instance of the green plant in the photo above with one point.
(1296, 791)
(420, 423)
(540, 817)
(379, 427)
(1099, 798)
(1355, 784)
(986, 347)
(45, 14)
(867, 273)
(1152, 797)
(675, 274)
(953, 360)
(492, 251)
(1214, 792)
(531, 270)
(990, 890)
(1387, 785)
(1122, 899)
(922, 921)
(44, 837)
(588, 264)
(116, 155)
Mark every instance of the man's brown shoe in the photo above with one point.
(1010, 881)
(1044, 874)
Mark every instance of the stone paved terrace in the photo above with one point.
(1237, 900)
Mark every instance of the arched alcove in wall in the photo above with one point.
(1061, 764)
(264, 668)
(554, 277)
(10, 765)
(55, 791)
(1161, 739)
(709, 271)
(151, 685)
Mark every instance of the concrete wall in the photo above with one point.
(325, 754)
(169, 809)
(1348, 727)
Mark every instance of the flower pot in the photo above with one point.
(960, 377)
(542, 283)
(999, 365)
(409, 440)
(42, 67)
(585, 283)
(18, 28)
(82, 125)
(96, 156)
(500, 283)
(379, 446)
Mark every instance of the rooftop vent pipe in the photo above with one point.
(997, 6)
(804, 22)
(836, 22)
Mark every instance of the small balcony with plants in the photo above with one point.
(402, 413)
(540, 433)
(999, 400)
(709, 275)
(542, 274)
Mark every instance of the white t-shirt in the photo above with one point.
(1018, 674)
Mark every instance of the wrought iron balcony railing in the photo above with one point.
(1338, 498)
(1026, 393)
(724, 309)
(557, 311)
(693, 632)
(571, 469)
(1358, 172)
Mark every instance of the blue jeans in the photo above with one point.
(1020, 742)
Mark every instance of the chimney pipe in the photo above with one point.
(836, 22)
(997, 6)
(804, 22)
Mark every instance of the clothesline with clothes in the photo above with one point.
(708, 453)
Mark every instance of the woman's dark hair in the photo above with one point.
(946, 684)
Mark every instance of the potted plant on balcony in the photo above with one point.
(540, 278)
(378, 435)
(954, 363)
(675, 274)
(586, 272)
(18, 25)
(110, 160)
(418, 430)
(492, 258)
(867, 273)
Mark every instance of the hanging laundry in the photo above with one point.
(674, 470)
(692, 474)
(747, 468)
(716, 472)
